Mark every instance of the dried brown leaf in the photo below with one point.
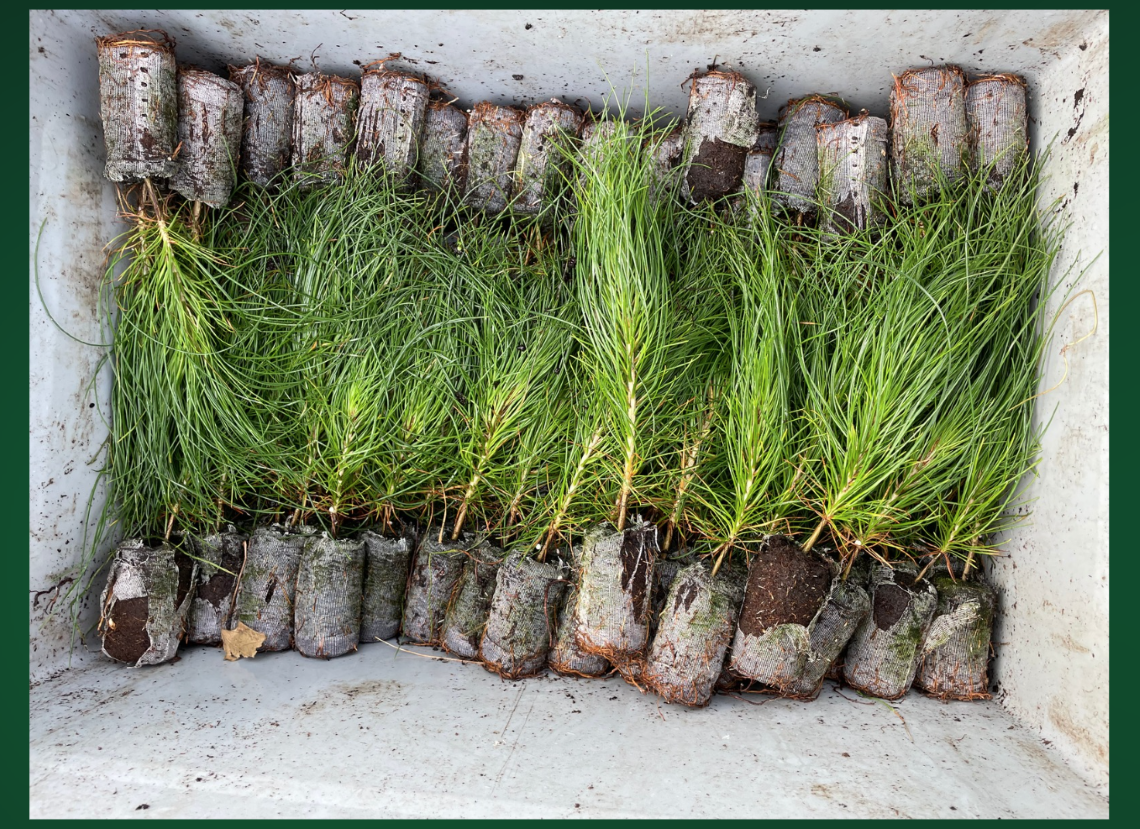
(241, 641)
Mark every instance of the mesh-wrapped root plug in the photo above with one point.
(386, 562)
(615, 588)
(213, 599)
(696, 627)
(999, 125)
(267, 136)
(330, 579)
(209, 137)
(720, 126)
(436, 571)
(467, 613)
(324, 120)
(493, 137)
(443, 149)
(138, 101)
(884, 653)
(541, 164)
(265, 596)
(956, 651)
(796, 175)
(929, 131)
(390, 123)
(524, 610)
(852, 173)
(144, 607)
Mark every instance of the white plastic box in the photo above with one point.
(1052, 638)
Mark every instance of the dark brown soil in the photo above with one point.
(635, 572)
(785, 586)
(216, 589)
(892, 600)
(716, 170)
(220, 585)
(128, 640)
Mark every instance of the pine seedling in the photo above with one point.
(876, 362)
(621, 239)
(520, 339)
(749, 492)
(702, 292)
(172, 398)
(983, 498)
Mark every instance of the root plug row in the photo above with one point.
(200, 131)
(673, 628)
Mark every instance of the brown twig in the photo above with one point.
(237, 585)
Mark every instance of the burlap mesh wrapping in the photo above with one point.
(435, 571)
(720, 125)
(859, 574)
(665, 570)
(796, 174)
(592, 134)
(268, 582)
(541, 164)
(324, 120)
(145, 603)
(759, 158)
(775, 658)
(386, 562)
(493, 137)
(999, 125)
(615, 586)
(852, 172)
(330, 581)
(828, 634)
(756, 166)
(757, 169)
(956, 652)
(565, 656)
(884, 652)
(696, 627)
(929, 130)
(138, 101)
(443, 148)
(524, 610)
(393, 106)
(209, 136)
(266, 140)
(213, 598)
(470, 605)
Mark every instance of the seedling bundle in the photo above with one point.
(709, 404)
